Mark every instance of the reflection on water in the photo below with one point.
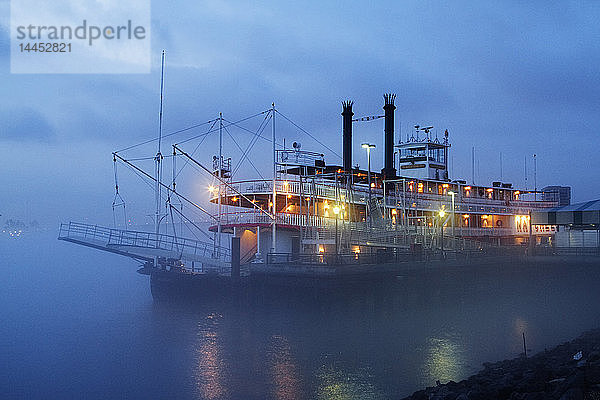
(342, 384)
(284, 372)
(81, 319)
(444, 359)
(385, 342)
(209, 376)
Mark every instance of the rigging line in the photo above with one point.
(144, 179)
(163, 185)
(148, 158)
(241, 120)
(241, 150)
(196, 149)
(164, 136)
(193, 214)
(248, 130)
(232, 188)
(314, 138)
(252, 143)
(191, 222)
(211, 130)
(250, 147)
(172, 219)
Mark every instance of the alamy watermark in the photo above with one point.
(70, 36)
(81, 32)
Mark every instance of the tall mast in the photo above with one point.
(273, 231)
(158, 157)
(525, 172)
(473, 165)
(220, 185)
(535, 176)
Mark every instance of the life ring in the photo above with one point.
(499, 223)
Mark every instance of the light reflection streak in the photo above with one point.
(284, 371)
(337, 384)
(211, 366)
(520, 327)
(444, 360)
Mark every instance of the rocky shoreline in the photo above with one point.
(558, 373)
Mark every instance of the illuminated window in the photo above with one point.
(484, 221)
(356, 251)
(522, 223)
(420, 187)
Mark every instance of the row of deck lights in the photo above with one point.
(368, 147)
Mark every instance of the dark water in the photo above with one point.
(78, 323)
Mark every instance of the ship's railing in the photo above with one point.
(359, 233)
(259, 218)
(398, 255)
(139, 239)
(466, 204)
(331, 191)
(327, 224)
(321, 189)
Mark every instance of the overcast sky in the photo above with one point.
(509, 77)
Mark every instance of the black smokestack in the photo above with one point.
(347, 132)
(389, 171)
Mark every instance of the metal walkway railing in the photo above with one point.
(109, 237)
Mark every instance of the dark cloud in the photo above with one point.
(4, 49)
(510, 77)
(24, 124)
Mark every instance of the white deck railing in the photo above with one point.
(149, 240)
(422, 201)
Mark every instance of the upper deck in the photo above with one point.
(399, 193)
(309, 202)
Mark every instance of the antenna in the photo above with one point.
(160, 114)
(525, 160)
(535, 176)
(274, 198)
(473, 165)
(158, 157)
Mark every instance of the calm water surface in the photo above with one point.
(78, 323)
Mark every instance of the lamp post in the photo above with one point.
(442, 214)
(451, 193)
(214, 191)
(368, 146)
(336, 211)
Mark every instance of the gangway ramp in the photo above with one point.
(145, 246)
